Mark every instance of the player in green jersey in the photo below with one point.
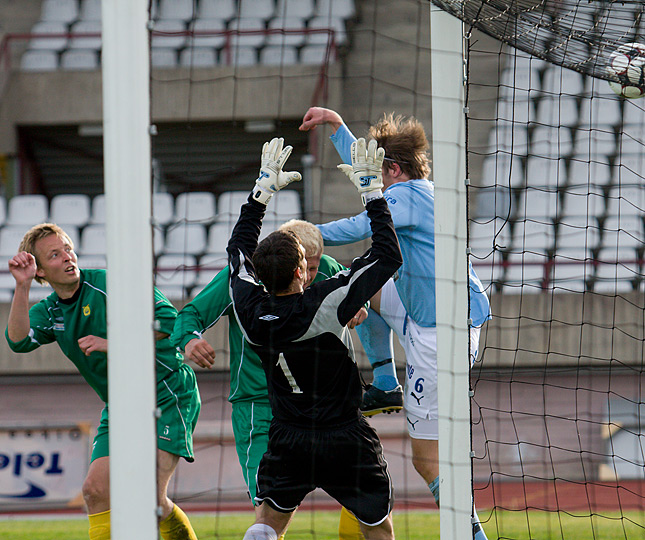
(74, 316)
(251, 415)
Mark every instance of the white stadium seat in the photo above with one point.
(229, 204)
(91, 262)
(186, 238)
(98, 210)
(195, 206)
(167, 34)
(217, 9)
(27, 210)
(293, 39)
(215, 26)
(218, 237)
(91, 10)
(314, 54)
(276, 55)
(247, 32)
(3, 210)
(163, 57)
(263, 9)
(39, 60)
(163, 208)
(284, 205)
(79, 60)
(295, 8)
(336, 24)
(176, 270)
(59, 10)
(57, 42)
(198, 57)
(10, 238)
(176, 9)
(93, 240)
(86, 27)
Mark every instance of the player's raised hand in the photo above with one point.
(317, 116)
(272, 178)
(23, 267)
(366, 170)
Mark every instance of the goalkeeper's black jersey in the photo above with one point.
(302, 339)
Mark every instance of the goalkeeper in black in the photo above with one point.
(318, 437)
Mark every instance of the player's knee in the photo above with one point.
(96, 493)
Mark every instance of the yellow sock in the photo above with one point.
(176, 526)
(100, 526)
(348, 527)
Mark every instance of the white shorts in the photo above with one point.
(420, 346)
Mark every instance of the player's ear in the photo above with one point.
(40, 272)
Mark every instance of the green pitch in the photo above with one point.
(408, 526)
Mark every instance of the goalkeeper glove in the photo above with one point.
(272, 178)
(366, 172)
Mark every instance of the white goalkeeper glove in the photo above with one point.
(272, 178)
(366, 172)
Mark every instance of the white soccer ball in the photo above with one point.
(627, 66)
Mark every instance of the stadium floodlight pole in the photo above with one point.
(449, 174)
(131, 378)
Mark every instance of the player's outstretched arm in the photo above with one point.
(317, 116)
(23, 269)
(198, 350)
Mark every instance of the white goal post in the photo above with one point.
(449, 174)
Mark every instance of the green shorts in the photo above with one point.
(179, 401)
(251, 421)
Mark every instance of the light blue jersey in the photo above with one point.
(412, 206)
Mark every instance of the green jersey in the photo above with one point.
(67, 320)
(248, 382)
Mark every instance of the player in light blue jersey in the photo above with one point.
(406, 305)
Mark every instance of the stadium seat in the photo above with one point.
(583, 200)
(167, 34)
(614, 277)
(57, 42)
(163, 208)
(90, 10)
(584, 171)
(559, 81)
(577, 236)
(186, 238)
(238, 56)
(595, 142)
(626, 200)
(247, 32)
(276, 55)
(284, 205)
(195, 206)
(163, 58)
(217, 9)
(558, 110)
(198, 57)
(59, 10)
(229, 204)
(216, 26)
(538, 203)
(39, 60)
(534, 236)
(10, 238)
(315, 54)
(86, 27)
(631, 139)
(79, 60)
(303, 9)
(209, 265)
(518, 76)
(343, 9)
(6, 279)
(509, 137)
(218, 237)
(630, 169)
(502, 169)
(70, 210)
(91, 262)
(518, 108)
(551, 141)
(600, 112)
(176, 9)
(6, 295)
(74, 235)
(336, 24)
(493, 201)
(176, 271)
(98, 210)
(262, 9)
(292, 39)
(545, 172)
(623, 232)
(27, 210)
(93, 240)
(173, 293)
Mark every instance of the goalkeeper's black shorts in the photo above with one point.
(346, 462)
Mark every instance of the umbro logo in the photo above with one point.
(269, 317)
